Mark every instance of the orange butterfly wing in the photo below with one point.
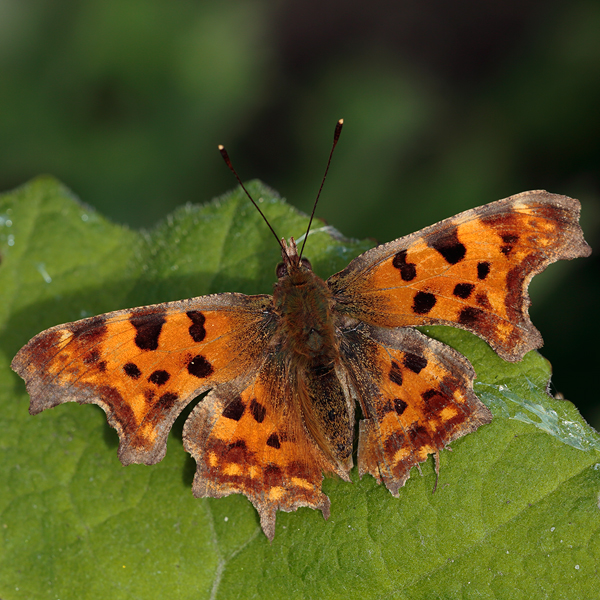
(144, 365)
(470, 271)
(250, 438)
(416, 394)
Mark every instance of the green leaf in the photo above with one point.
(515, 514)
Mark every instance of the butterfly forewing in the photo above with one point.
(144, 365)
(470, 271)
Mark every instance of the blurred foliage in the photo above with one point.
(447, 106)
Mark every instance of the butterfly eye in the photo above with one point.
(306, 264)
(281, 270)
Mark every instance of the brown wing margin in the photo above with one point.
(470, 271)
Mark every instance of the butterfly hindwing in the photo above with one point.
(142, 366)
(470, 271)
(248, 438)
(416, 395)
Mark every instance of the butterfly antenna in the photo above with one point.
(228, 163)
(336, 137)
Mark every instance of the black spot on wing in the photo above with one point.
(395, 374)
(509, 238)
(423, 302)
(196, 329)
(509, 241)
(435, 400)
(399, 405)
(258, 411)
(408, 271)
(93, 358)
(273, 441)
(132, 371)
(167, 400)
(241, 444)
(200, 367)
(159, 377)
(427, 395)
(470, 315)
(148, 328)
(463, 290)
(483, 270)
(449, 246)
(89, 331)
(234, 410)
(414, 362)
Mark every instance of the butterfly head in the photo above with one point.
(294, 266)
(292, 263)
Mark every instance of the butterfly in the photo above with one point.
(285, 372)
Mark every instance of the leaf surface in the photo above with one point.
(515, 514)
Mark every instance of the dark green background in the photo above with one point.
(448, 105)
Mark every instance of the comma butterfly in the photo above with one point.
(285, 371)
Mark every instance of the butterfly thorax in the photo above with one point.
(303, 302)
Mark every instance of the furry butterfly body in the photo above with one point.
(286, 371)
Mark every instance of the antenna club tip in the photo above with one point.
(336, 134)
(221, 147)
